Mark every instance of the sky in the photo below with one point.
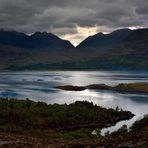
(73, 20)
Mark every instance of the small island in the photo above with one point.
(132, 87)
(121, 88)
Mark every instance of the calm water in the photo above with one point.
(40, 86)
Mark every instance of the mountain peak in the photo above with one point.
(104, 40)
(42, 34)
(99, 34)
(38, 40)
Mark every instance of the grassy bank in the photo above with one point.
(23, 115)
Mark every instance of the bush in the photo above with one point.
(140, 124)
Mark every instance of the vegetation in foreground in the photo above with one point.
(24, 123)
(136, 137)
(26, 115)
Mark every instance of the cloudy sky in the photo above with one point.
(72, 19)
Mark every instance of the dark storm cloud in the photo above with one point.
(62, 16)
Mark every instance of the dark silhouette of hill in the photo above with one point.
(105, 40)
(122, 49)
(37, 40)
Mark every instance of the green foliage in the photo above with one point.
(140, 124)
(22, 115)
(78, 134)
(98, 132)
(121, 131)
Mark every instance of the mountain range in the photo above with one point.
(122, 49)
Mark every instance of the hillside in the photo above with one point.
(38, 40)
(105, 40)
(128, 52)
(122, 49)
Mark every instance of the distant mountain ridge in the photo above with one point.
(38, 40)
(105, 40)
(122, 49)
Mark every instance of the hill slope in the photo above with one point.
(37, 40)
(105, 40)
(120, 50)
